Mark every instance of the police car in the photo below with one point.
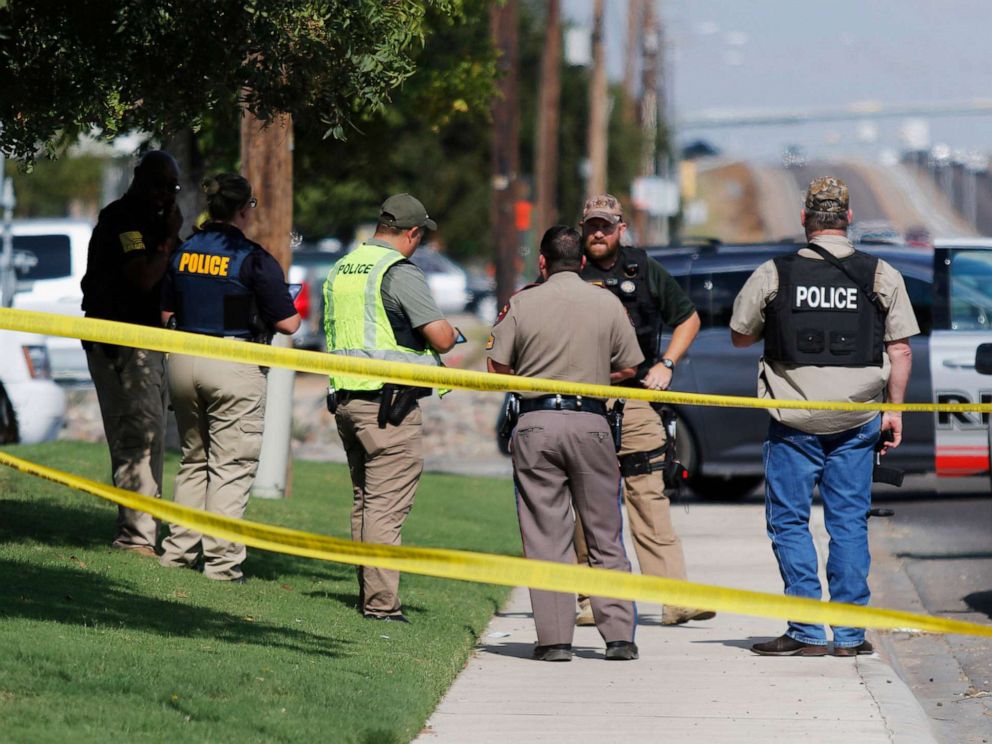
(950, 287)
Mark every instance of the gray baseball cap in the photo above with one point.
(404, 211)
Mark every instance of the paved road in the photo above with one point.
(935, 556)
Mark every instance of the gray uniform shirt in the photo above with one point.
(805, 382)
(405, 289)
(565, 329)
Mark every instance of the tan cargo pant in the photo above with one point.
(385, 466)
(131, 389)
(220, 410)
(561, 458)
(658, 547)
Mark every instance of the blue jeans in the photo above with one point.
(841, 465)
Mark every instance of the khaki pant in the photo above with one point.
(658, 547)
(130, 387)
(561, 458)
(385, 466)
(220, 410)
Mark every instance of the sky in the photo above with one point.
(790, 54)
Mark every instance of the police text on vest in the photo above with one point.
(826, 298)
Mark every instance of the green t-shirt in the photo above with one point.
(673, 303)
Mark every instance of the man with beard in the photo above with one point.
(653, 300)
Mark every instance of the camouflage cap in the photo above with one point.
(827, 194)
(603, 207)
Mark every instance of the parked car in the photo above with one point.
(951, 293)
(50, 260)
(32, 406)
(447, 280)
(309, 269)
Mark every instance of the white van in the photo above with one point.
(50, 260)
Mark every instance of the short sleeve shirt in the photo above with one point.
(260, 273)
(565, 329)
(673, 303)
(802, 382)
(126, 231)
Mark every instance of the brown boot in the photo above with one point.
(585, 613)
(677, 615)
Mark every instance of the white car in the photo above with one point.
(50, 260)
(447, 280)
(25, 376)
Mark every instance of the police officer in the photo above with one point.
(129, 250)
(653, 299)
(220, 283)
(836, 324)
(378, 306)
(563, 451)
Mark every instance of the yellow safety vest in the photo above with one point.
(355, 320)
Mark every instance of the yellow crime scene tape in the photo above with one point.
(455, 564)
(177, 342)
(507, 570)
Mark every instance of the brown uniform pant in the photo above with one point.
(220, 410)
(130, 387)
(385, 466)
(561, 458)
(658, 547)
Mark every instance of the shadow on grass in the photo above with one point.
(71, 596)
(46, 522)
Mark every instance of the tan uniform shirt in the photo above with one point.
(565, 329)
(803, 382)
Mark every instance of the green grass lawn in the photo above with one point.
(96, 644)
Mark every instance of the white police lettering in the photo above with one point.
(826, 298)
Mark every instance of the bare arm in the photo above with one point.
(901, 358)
(660, 376)
(288, 325)
(440, 335)
(145, 272)
(625, 374)
(166, 317)
(500, 369)
(743, 340)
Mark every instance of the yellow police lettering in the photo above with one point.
(198, 263)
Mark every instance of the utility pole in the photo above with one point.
(267, 163)
(651, 44)
(505, 154)
(548, 116)
(635, 12)
(598, 108)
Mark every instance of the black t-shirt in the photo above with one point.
(127, 230)
(260, 273)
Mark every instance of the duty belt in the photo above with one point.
(343, 396)
(562, 403)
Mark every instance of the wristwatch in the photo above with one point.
(668, 363)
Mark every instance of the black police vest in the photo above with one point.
(628, 280)
(821, 317)
(206, 276)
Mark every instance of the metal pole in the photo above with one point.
(8, 278)
(272, 476)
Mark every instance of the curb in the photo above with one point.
(904, 717)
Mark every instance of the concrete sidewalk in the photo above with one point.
(697, 682)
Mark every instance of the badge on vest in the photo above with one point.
(627, 287)
(844, 299)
